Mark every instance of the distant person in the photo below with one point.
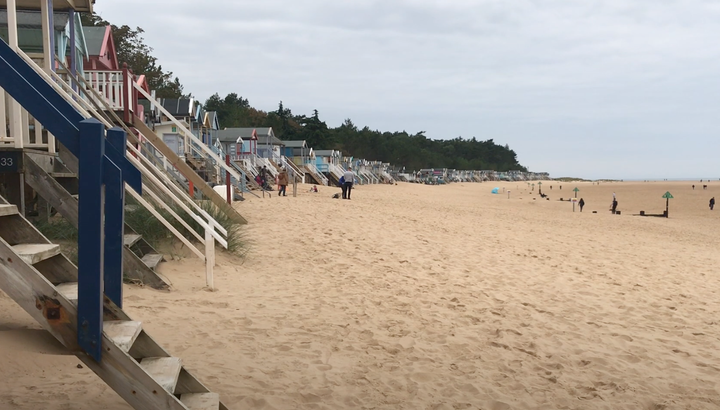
(343, 187)
(263, 174)
(581, 203)
(614, 205)
(349, 179)
(283, 182)
(712, 203)
(693, 187)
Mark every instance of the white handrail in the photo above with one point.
(188, 133)
(166, 207)
(315, 171)
(167, 224)
(70, 96)
(175, 199)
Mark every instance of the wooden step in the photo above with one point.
(122, 332)
(201, 401)
(63, 175)
(69, 290)
(165, 370)
(151, 260)
(131, 239)
(7, 210)
(36, 252)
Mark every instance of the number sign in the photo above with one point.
(10, 161)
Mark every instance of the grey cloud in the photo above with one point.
(554, 79)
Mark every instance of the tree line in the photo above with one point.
(412, 151)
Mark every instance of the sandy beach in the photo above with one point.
(430, 297)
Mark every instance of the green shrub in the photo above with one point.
(62, 232)
(154, 231)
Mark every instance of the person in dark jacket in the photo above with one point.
(343, 187)
(712, 203)
(581, 203)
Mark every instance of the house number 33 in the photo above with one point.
(6, 162)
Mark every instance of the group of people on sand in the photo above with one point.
(281, 180)
(346, 183)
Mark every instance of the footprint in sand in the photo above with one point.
(623, 337)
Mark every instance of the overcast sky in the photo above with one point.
(595, 89)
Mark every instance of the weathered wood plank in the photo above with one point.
(51, 190)
(69, 290)
(33, 253)
(6, 210)
(135, 270)
(151, 260)
(63, 175)
(201, 401)
(122, 332)
(131, 239)
(37, 296)
(165, 370)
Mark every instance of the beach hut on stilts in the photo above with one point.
(303, 157)
(65, 150)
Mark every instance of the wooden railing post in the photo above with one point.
(126, 91)
(114, 219)
(90, 237)
(209, 253)
(228, 181)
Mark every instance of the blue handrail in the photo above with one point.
(100, 235)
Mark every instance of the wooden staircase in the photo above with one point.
(139, 258)
(317, 178)
(186, 170)
(43, 281)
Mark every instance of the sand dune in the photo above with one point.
(431, 297)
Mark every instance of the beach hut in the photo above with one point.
(67, 42)
(187, 112)
(328, 162)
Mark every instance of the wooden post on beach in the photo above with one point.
(576, 191)
(228, 181)
(209, 254)
(667, 197)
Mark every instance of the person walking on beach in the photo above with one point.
(712, 203)
(614, 205)
(283, 182)
(581, 203)
(349, 179)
